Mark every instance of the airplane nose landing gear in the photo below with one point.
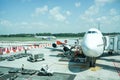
(92, 62)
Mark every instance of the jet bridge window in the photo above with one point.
(91, 32)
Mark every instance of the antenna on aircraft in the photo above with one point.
(98, 25)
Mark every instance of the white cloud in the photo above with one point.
(32, 24)
(93, 16)
(24, 23)
(90, 13)
(39, 24)
(68, 13)
(112, 23)
(9, 24)
(41, 10)
(56, 14)
(113, 12)
(103, 2)
(109, 23)
(77, 4)
(5, 23)
(94, 11)
(116, 18)
(103, 18)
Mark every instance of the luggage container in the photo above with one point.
(36, 57)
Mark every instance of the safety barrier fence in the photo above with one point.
(14, 49)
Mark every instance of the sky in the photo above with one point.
(58, 16)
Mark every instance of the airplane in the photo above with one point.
(45, 37)
(92, 45)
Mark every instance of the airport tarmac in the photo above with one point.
(107, 68)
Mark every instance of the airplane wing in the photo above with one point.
(67, 44)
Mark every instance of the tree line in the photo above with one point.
(55, 34)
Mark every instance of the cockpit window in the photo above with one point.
(94, 32)
(91, 32)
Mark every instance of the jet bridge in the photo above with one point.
(112, 44)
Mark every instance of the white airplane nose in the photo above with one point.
(90, 48)
(89, 43)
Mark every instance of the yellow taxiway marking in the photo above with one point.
(95, 68)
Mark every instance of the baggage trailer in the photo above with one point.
(36, 57)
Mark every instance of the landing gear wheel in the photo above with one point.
(43, 59)
(110, 52)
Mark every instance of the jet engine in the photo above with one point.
(54, 45)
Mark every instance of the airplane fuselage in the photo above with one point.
(92, 44)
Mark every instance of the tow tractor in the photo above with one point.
(45, 71)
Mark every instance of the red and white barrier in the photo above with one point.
(14, 49)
